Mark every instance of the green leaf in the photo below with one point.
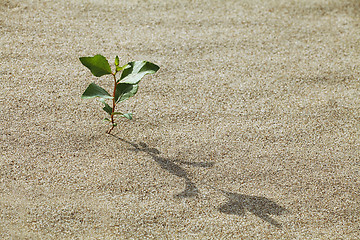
(127, 115)
(107, 108)
(106, 119)
(94, 90)
(118, 69)
(116, 61)
(125, 91)
(98, 65)
(136, 71)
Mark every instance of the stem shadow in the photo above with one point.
(170, 165)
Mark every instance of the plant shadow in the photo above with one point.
(261, 207)
(172, 166)
(237, 204)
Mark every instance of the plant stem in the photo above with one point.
(114, 105)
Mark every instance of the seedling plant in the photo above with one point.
(124, 87)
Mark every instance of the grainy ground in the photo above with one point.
(250, 130)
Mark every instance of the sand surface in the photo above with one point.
(250, 129)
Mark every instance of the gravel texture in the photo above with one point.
(250, 129)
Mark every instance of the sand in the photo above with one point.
(250, 129)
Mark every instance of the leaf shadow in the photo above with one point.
(172, 166)
(264, 208)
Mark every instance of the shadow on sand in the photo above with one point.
(172, 166)
(237, 204)
(261, 207)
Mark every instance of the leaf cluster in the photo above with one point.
(124, 87)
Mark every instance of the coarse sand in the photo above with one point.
(249, 130)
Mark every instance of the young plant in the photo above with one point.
(124, 87)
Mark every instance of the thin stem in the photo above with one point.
(114, 105)
(108, 131)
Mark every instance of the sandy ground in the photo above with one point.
(250, 130)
